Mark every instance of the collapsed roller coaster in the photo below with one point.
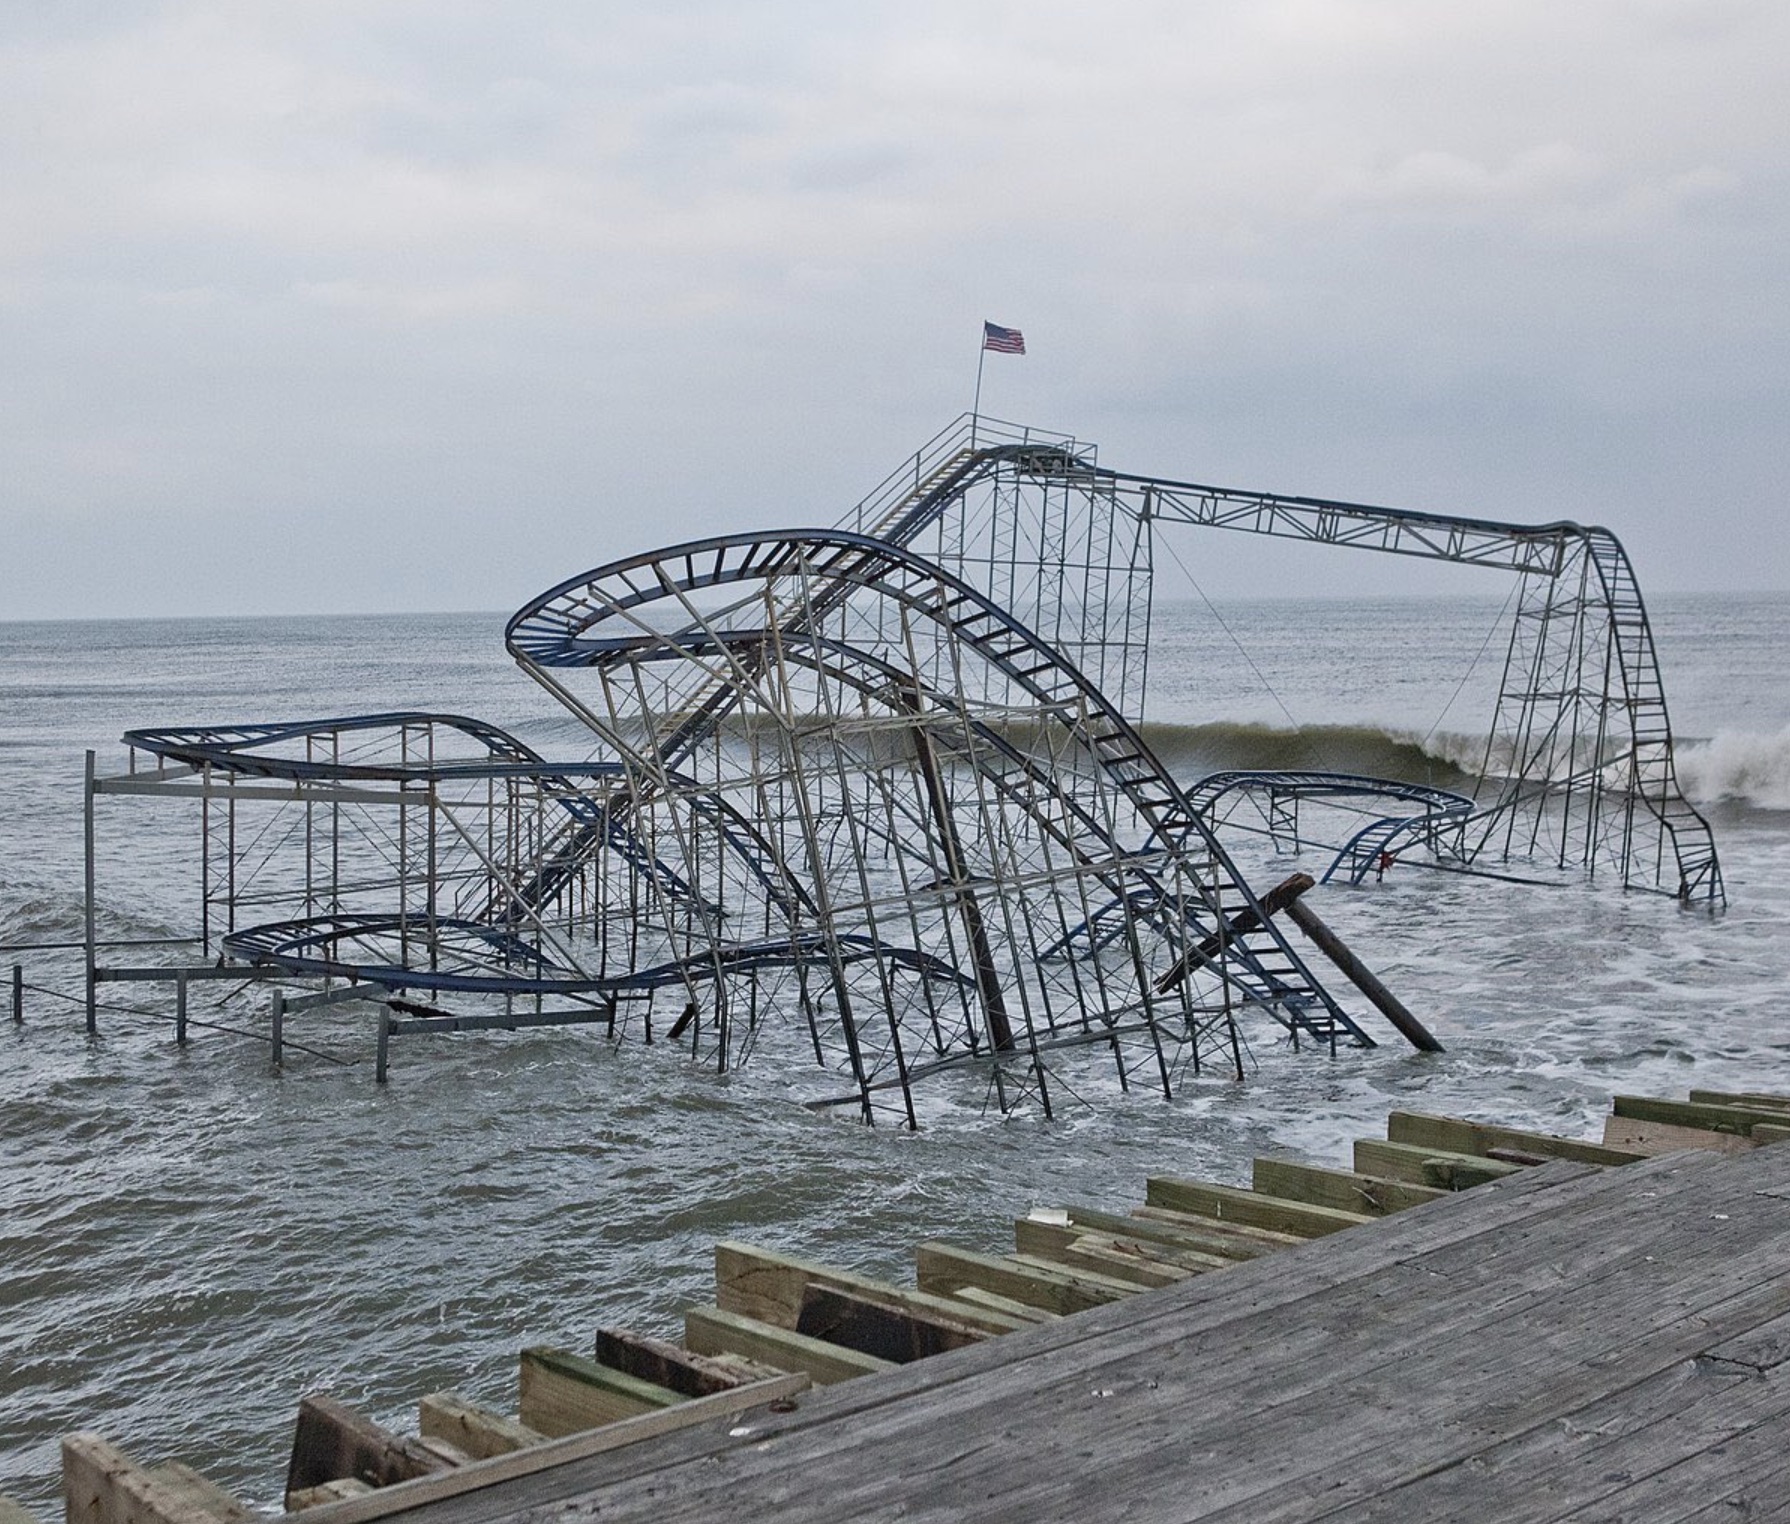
(879, 794)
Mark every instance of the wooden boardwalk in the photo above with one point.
(1549, 1341)
(1562, 1343)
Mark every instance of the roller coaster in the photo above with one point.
(879, 794)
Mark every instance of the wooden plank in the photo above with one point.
(980, 1297)
(343, 1487)
(1251, 1302)
(1766, 1132)
(1141, 1261)
(478, 1431)
(103, 1485)
(555, 1456)
(1228, 1203)
(1754, 1099)
(1460, 1136)
(1264, 1389)
(1434, 1167)
(203, 1492)
(1340, 1188)
(762, 1284)
(13, 1512)
(671, 1365)
(1731, 1119)
(331, 1440)
(1655, 1138)
(1233, 1240)
(713, 1331)
(896, 1334)
(944, 1268)
(562, 1392)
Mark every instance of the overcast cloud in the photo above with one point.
(345, 306)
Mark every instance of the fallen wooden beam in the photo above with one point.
(478, 1431)
(1457, 1135)
(712, 1331)
(1230, 1204)
(1438, 1168)
(1343, 1189)
(331, 1441)
(944, 1268)
(671, 1365)
(562, 1393)
(103, 1485)
(897, 1334)
(760, 1283)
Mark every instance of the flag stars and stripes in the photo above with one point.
(1003, 341)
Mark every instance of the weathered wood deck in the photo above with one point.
(1563, 1342)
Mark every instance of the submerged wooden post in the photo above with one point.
(180, 1008)
(1362, 977)
(18, 994)
(385, 1043)
(278, 1015)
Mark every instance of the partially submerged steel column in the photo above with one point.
(87, 837)
(988, 984)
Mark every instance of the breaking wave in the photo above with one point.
(1738, 766)
(1447, 760)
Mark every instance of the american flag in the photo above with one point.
(1003, 341)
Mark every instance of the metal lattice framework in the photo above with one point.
(1579, 768)
(948, 792)
(878, 794)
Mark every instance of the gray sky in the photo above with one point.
(350, 306)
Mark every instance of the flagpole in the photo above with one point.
(976, 406)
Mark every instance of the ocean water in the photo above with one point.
(190, 1239)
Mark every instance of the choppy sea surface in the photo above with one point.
(191, 1239)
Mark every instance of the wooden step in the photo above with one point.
(713, 1331)
(1751, 1099)
(763, 1284)
(1652, 1138)
(671, 1365)
(899, 1334)
(944, 1268)
(103, 1485)
(14, 1512)
(1145, 1261)
(1346, 1190)
(1437, 1167)
(564, 1393)
(1457, 1135)
(1738, 1120)
(1228, 1203)
(1022, 1313)
(478, 1431)
(331, 1441)
(1231, 1240)
(338, 1491)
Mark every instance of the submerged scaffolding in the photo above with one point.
(878, 794)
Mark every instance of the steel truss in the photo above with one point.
(1579, 768)
(878, 794)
